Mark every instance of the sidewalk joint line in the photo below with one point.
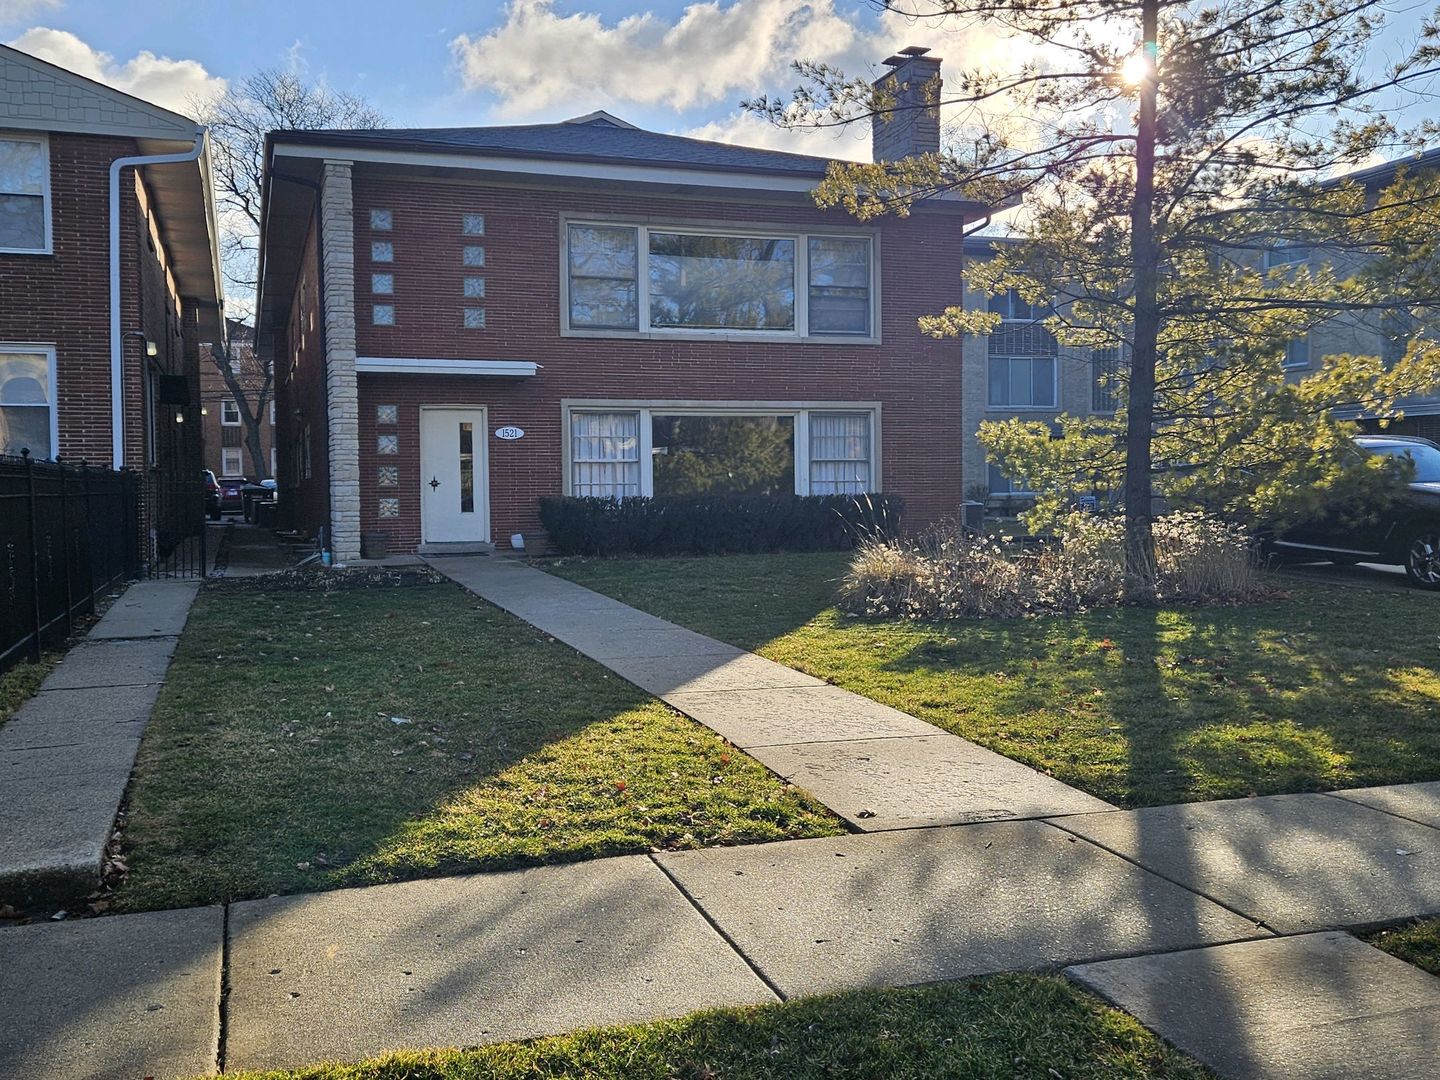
(1259, 923)
(725, 937)
(222, 1030)
(1378, 809)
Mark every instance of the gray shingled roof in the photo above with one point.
(595, 140)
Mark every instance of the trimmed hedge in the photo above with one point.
(716, 524)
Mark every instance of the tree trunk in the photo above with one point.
(253, 443)
(1140, 407)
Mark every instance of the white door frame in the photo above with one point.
(482, 467)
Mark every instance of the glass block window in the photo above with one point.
(388, 476)
(382, 251)
(383, 314)
(384, 284)
(475, 288)
(389, 508)
(473, 224)
(605, 454)
(474, 318)
(839, 453)
(474, 255)
(382, 220)
(387, 445)
(387, 415)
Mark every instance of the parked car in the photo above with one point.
(212, 495)
(232, 498)
(1406, 533)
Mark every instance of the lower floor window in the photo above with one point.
(1000, 484)
(27, 414)
(691, 451)
(232, 461)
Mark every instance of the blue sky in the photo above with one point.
(664, 64)
(669, 65)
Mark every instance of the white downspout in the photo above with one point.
(117, 352)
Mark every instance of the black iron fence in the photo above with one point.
(69, 533)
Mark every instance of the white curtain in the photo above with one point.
(605, 454)
(839, 453)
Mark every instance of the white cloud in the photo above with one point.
(171, 84)
(14, 11)
(538, 59)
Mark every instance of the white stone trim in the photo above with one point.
(342, 399)
(398, 365)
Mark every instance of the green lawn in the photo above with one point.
(1322, 689)
(274, 762)
(1418, 944)
(18, 685)
(1001, 1028)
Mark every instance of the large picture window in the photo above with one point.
(660, 450)
(24, 193)
(27, 411)
(648, 279)
(722, 455)
(704, 282)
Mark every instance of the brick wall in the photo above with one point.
(916, 379)
(63, 299)
(300, 400)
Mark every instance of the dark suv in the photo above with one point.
(1406, 534)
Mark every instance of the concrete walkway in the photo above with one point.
(877, 768)
(65, 756)
(1212, 925)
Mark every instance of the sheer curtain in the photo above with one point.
(839, 453)
(605, 454)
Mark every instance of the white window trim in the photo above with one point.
(767, 231)
(48, 351)
(44, 141)
(800, 410)
(1286, 365)
(234, 405)
(991, 406)
(239, 451)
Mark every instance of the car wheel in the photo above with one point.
(1422, 558)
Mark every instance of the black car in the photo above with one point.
(1406, 534)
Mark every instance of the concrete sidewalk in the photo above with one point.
(876, 767)
(65, 756)
(1204, 955)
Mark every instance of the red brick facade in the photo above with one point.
(62, 299)
(915, 380)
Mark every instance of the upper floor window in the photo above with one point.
(1105, 390)
(712, 282)
(24, 193)
(1012, 307)
(230, 412)
(1297, 353)
(1286, 255)
(1022, 367)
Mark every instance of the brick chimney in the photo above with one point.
(914, 126)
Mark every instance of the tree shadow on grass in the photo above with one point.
(310, 740)
(1156, 706)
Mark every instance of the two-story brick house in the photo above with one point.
(227, 453)
(463, 321)
(109, 272)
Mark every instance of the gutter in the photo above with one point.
(117, 351)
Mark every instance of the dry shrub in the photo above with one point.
(945, 573)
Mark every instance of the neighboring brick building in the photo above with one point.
(463, 321)
(226, 450)
(100, 345)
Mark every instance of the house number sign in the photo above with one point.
(509, 434)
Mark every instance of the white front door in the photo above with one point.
(454, 476)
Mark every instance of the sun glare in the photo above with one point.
(1135, 69)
